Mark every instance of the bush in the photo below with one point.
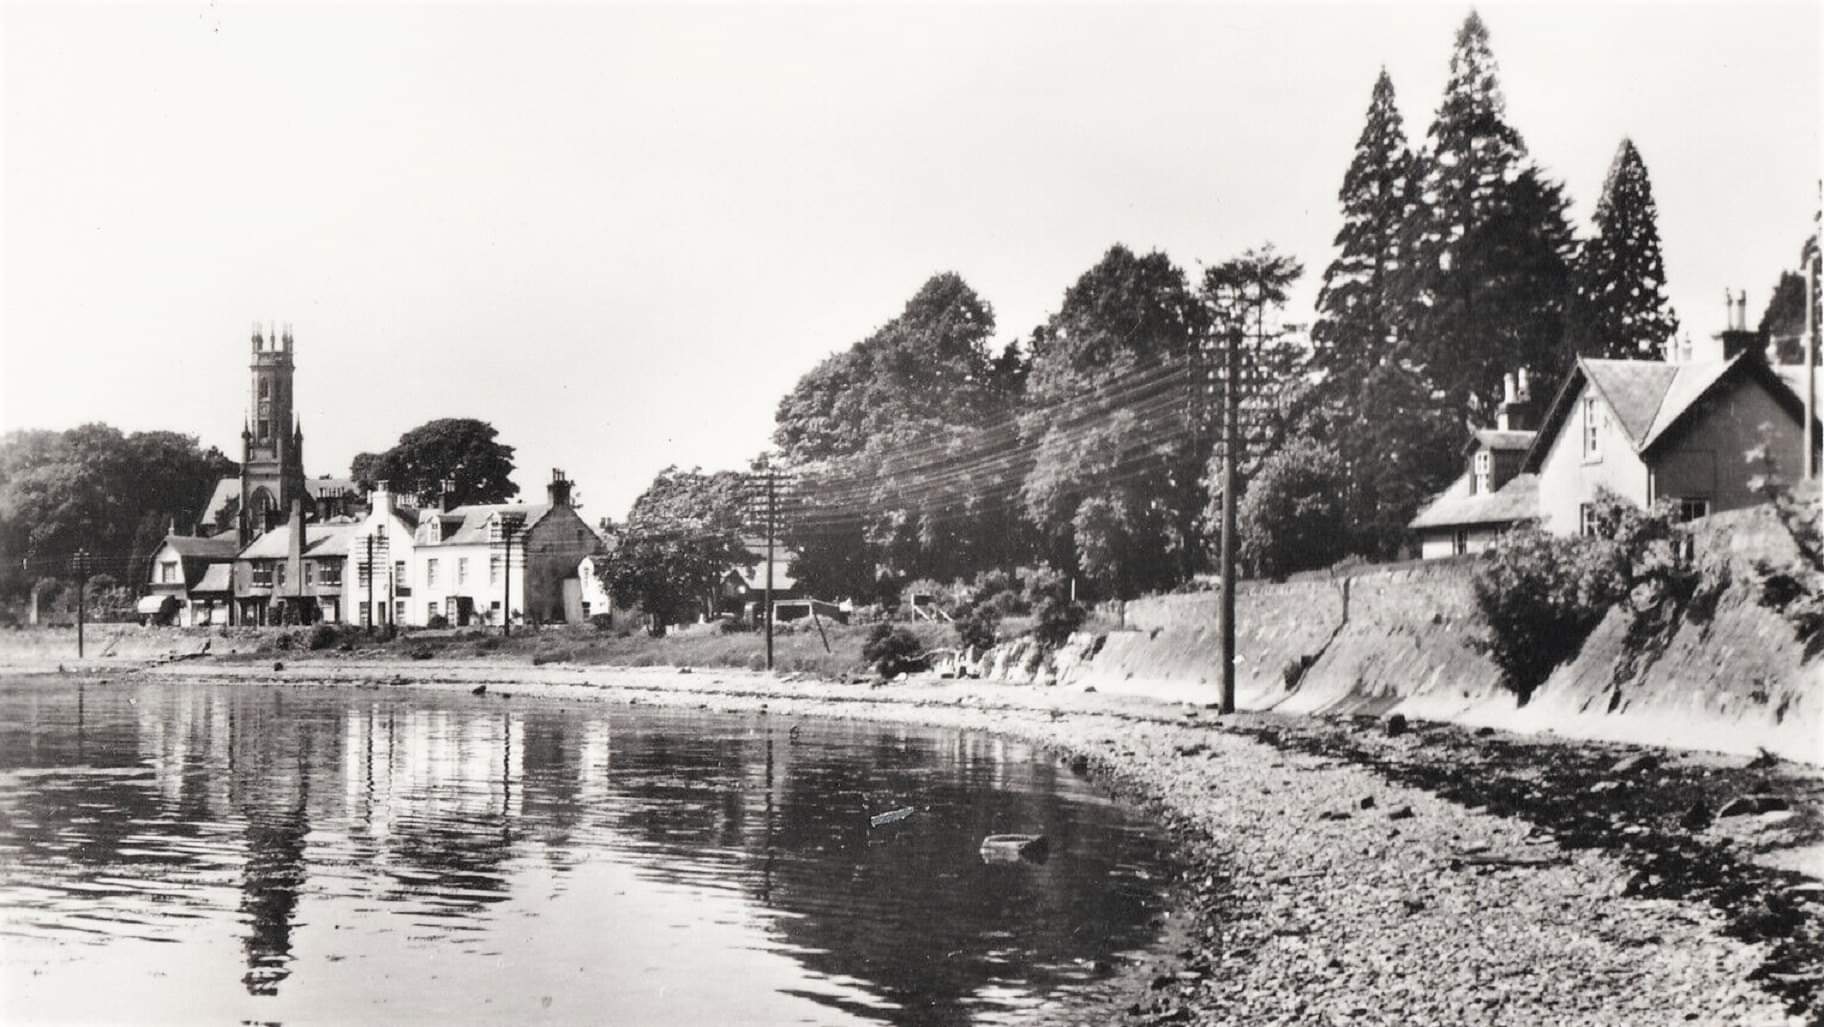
(893, 650)
(976, 626)
(323, 636)
(437, 620)
(1291, 518)
(1054, 614)
(602, 621)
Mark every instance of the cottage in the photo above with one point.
(1491, 495)
(381, 563)
(189, 578)
(292, 574)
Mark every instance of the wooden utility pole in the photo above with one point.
(1231, 403)
(81, 567)
(772, 514)
(371, 617)
(506, 580)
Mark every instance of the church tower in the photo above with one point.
(272, 441)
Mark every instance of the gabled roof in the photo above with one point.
(475, 519)
(1650, 398)
(320, 540)
(204, 547)
(1518, 500)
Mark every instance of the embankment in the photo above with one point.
(1730, 676)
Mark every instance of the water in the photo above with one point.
(190, 853)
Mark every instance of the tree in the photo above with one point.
(681, 538)
(1620, 309)
(365, 470)
(459, 450)
(1783, 322)
(1291, 518)
(1491, 248)
(1356, 308)
(1118, 415)
(93, 487)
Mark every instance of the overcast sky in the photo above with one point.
(621, 233)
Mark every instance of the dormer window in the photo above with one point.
(1485, 471)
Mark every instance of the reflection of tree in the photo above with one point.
(909, 910)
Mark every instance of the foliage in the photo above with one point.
(1491, 249)
(895, 442)
(976, 625)
(1112, 393)
(1794, 591)
(323, 636)
(1292, 518)
(94, 487)
(681, 539)
(1541, 595)
(1055, 614)
(1783, 322)
(892, 650)
(459, 450)
(1619, 309)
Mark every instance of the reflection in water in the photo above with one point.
(339, 855)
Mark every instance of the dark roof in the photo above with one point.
(1518, 500)
(1490, 438)
(218, 578)
(204, 547)
(319, 540)
(476, 516)
(1650, 398)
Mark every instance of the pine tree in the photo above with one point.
(1491, 247)
(1620, 308)
(1355, 311)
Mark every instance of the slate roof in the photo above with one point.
(1489, 438)
(475, 518)
(320, 540)
(1515, 501)
(1649, 398)
(218, 578)
(204, 547)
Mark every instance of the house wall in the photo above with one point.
(1437, 543)
(483, 594)
(400, 548)
(1707, 459)
(1567, 481)
(554, 547)
(595, 597)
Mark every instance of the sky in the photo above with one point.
(620, 233)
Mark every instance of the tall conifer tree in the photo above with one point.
(1355, 308)
(1620, 309)
(1491, 246)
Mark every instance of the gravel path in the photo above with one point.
(1332, 875)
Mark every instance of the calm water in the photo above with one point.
(227, 854)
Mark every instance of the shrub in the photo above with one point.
(437, 620)
(1291, 518)
(892, 650)
(323, 636)
(1054, 614)
(1541, 596)
(976, 625)
(602, 621)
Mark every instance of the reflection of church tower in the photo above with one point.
(272, 442)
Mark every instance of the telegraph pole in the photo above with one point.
(81, 566)
(772, 512)
(506, 579)
(1231, 402)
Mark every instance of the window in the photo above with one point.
(265, 389)
(398, 611)
(1586, 519)
(1592, 429)
(1485, 471)
(332, 574)
(494, 569)
(462, 570)
(279, 575)
(1690, 509)
(262, 574)
(265, 428)
(1460, 544)
(430, 610)
(167, 572)
(430, 573)
(310, 573)
(364, 573)
(399, 571)
(367, 617)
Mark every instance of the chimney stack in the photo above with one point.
(559, 489)
(1516, 413)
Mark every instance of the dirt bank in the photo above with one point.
(1339, 874)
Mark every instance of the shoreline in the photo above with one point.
(1325, 878)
